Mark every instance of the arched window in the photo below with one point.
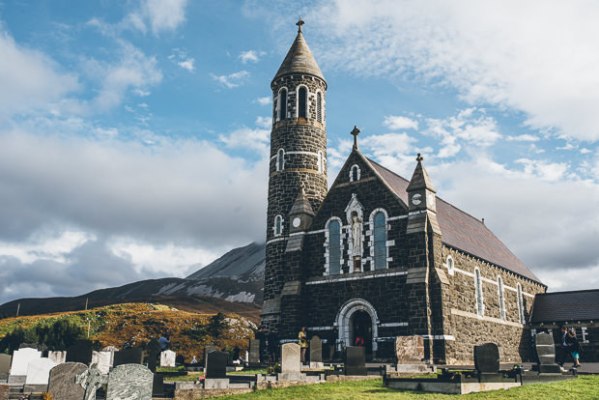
(334, 246)
(449, 263)
(380, 240)
(280, 160)
(354, 173)
(478, 282)
(282, 104)
(521, 304)
(501, 298)
(278, 226)
(319, 107)
(302, 99)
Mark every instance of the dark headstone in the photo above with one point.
(128, 356)
(158, 386)
(216, 365)
(254, 353)
(153, 350)
(355, 361)
(486, 358)
(546, 354)
(207, 350)
(4, 365)
(81, 352)
(315, 352)
(62, 382)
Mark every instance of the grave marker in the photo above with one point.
(20, 361)
(167, 358)
(128, 356)
(62, 383)
(355, 361)
(81, 352)
(38, 373)
(290, 357)
(130, 382)
(254, 353)
(316, 352)
(546, 353)
(486, 358)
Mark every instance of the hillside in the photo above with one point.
(233, 283)
(137, 323)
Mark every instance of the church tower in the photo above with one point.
(297, 173)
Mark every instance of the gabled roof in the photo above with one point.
(299, 59)
(580, 305)
(461, 230)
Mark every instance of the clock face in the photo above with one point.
(296, 222)
(417, 199)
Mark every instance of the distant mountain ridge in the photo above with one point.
(232, 283)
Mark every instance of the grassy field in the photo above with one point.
(583, 388)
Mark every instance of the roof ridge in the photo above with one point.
(570, 291)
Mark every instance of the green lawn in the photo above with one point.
(585, 387)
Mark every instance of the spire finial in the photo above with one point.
(419, 158)
(355, 132)
(299, 24)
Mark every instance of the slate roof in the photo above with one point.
(580, 305)
(299, 59)
(461, 230)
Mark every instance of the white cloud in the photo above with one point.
(264, 101)
(248, 139)
(252, 56)
(233, 80)
(508, 54)
(51, 246)
(163, 15)
(544, 170)
(181, 58)
(187, 64)
(523, 138)
(398, 122)
(30, 80)
(264, 122)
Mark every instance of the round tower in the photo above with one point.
(298, 153)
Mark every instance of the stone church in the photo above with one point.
(376, 255)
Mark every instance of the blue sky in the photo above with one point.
(134, 135)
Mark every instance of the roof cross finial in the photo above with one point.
(419, 158)
(299, 24)
(355, 132)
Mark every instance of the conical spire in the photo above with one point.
(299, 58)
(420, 178)
(301, 205)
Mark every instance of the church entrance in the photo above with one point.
(361, 332)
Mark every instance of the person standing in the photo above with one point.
(303, 342)
(573, 347)
(564, 348)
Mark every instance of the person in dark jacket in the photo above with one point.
(573, 347)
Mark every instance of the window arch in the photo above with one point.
(278, 226)
(478, 282)
(379, 242)
(449, 263)
(319, 107)
(354, 173)
(302, 102)
(501, 296)
(521, 304)
(333, 246)
(282, 104)
(280, 160)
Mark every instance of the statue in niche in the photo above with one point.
(356, 233)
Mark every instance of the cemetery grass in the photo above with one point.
(582, 388)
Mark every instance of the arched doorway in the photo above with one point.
(357, 317)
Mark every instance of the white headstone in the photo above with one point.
(59, 357)
(103, 360)
(290, 357)
(38, 371)
(21, 359)
(167, 358)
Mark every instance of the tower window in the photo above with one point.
(319, 107)
(380, 240)
(302, 107)
(334, 246)
(282, 104)
(501, 298)
(354, 173)
(521, 304)
(280, 160)
(478, 282)
(278, 226)
(450, 264)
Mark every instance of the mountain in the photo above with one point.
(233, 283)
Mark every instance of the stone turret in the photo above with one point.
(298, 160)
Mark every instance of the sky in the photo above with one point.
(134, 135)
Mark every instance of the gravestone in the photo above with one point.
(290, 357)
(316, 352)
(91, 380)
(102, 360)
(153, 350)
(486, 358)
(355, 361)
(58, 357)
(409, 349)
(20, 361)
(158, 386)
(4, 366)
(130, 382)
(62, 384)
(546, 354)
(207, 350)
(128, 356)
(81, 352)
(217, 365)
(254, 353)
(38, 373)
(167, 358)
